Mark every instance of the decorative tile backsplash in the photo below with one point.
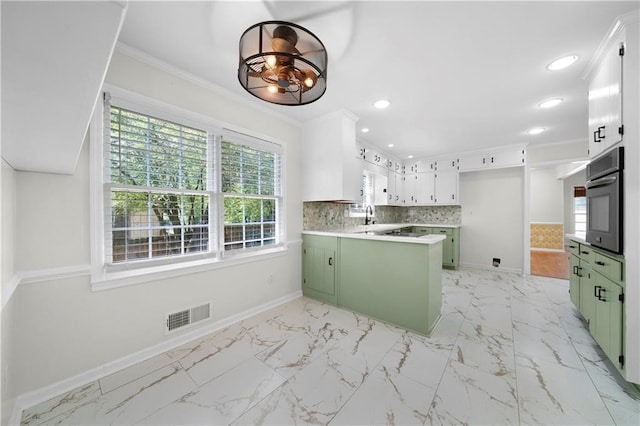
(319, 216)
(547, 236)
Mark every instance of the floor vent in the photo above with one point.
(187, 317)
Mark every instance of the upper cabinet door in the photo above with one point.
(446, 187)
(605, 100)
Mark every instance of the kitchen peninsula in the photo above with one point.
(389, 272)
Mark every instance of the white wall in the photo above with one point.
(60, 327)
(492, 218)
(547, 194)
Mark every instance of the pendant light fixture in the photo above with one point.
(282, 63)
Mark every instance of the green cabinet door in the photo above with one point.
(319, 267)
(450, 246)
(574, 280)
(587, 298)
(607, 320)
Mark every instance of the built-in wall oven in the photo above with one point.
(605, 201)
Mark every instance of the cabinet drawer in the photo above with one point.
(574, 248)
(422, 230)
(586, 253)
(608, 267)
(444, 231)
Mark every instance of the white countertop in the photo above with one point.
(365, 232)
(577, 238)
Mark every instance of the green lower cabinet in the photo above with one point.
(596, 284)
(399, 283)
(450, 246)
(319, 267)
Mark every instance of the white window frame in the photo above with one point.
(105, 276)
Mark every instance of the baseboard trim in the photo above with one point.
(38, 396)
(491, 268)
(550, 250)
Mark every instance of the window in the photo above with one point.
(580, 210)
(182, 188)
(251, 187)
(368, 196)
(158, 188)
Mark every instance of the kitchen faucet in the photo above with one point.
(368, 215)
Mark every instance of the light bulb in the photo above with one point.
(270, 60)
(272, 89)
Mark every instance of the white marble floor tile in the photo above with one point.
(296, 352)
(364, 347)
(127, 375)
(552, 345)
(419, 358)
(549, 393)
(223, 399)
(313, 396)
(386, 399)
(44, 412)
(469, 396)
(490, 356)
(223, 352)
(132, 402)
(490, 313)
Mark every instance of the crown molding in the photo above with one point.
(153, 61)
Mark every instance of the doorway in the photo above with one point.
(552, 264)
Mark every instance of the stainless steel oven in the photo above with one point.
(605, 201)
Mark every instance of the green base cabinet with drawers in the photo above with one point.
(596, 286)
(450, 246)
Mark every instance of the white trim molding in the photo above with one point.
(9, 288)
(38, 396)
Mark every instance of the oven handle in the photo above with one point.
(602, 182)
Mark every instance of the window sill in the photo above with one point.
(104, 280)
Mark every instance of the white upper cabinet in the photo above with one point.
(495, 158)
(447, 164)
(331, 170)
(424, 189)
(605, 100)
(446, 187)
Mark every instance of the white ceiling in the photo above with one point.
(460, 75)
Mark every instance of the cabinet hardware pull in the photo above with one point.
(597, 135)
(331, 261)
(601, 296)
(584, 252)
(600, 263)
(573, 246)
(595, 290)
(575, 270)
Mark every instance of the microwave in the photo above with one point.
(605, 201)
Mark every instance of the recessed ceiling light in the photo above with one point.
(382, 104)
(561, 63)
(391, 145)
(365, 130)
(410, 156)
(536, 130)
(550, 103)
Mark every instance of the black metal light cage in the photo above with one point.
(294, 77)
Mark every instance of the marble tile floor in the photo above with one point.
(508, 350)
